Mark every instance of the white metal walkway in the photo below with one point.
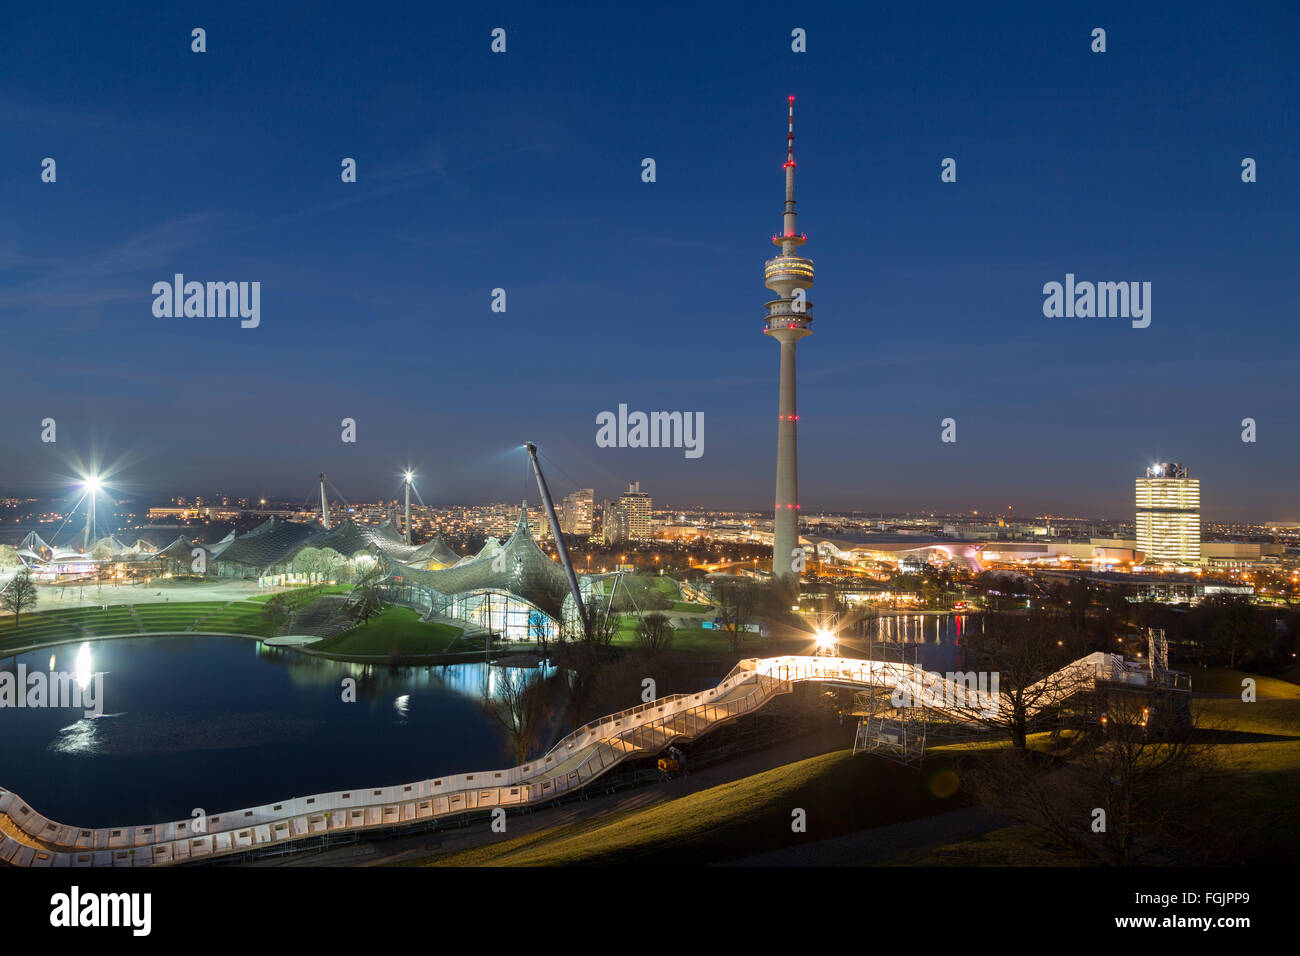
(29, 839)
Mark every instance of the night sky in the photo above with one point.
(523, 171)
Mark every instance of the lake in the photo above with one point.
(223, 723)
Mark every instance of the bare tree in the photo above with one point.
(520, 705)
(19, 594)
(738, 599)
(537, 628)
(598, 625)
(654, 634)
(584, 653)
(366, 599)
(1025, 655)
(1120, 796)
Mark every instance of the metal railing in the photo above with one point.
(29, 839)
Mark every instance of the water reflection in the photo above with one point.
(225, 723)
(83, 669)
(922, 628)
(938, 636)
(379, 680)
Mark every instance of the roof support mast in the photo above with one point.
(324, 504)
(555, 530)
(408, 476)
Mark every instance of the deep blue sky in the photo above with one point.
(523, 171)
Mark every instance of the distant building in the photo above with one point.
(205, 511)
(576, 511)
(1169, 515)
(613, 523)
(635, 505)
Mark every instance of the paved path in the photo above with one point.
(93, 595)
(881, 844)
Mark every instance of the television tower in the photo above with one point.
(788, 275)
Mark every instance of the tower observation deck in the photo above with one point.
(789, 275)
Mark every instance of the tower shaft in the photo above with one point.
(785, 536)
(789, 275)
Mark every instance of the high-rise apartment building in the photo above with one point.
(1169, 515)
(576, 511)
(635, 505)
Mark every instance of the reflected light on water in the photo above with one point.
(78, 738)
(83, 670)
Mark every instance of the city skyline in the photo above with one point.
(123, 491)
(936, 288)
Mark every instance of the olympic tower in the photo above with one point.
(789, 275)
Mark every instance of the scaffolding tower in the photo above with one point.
(885, 728)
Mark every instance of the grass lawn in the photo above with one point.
(1221, 680)
(840, 793)
(1258, 744)
(689, 607)
(299, 598)
(86, 623)
(689, 640)
(242, 617)
(394, 630)
(1265, 775)
(696, 640)
(174, 617)
(73, 624)
(665, 585)
(116, 620)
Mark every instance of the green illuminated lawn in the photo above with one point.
(395, 630)
(298, 598)
(71, 624)
(242, 617)
(174, 617)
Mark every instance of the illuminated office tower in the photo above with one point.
(1169, 515)
(789, 275)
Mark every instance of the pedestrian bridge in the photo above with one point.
(29, 839)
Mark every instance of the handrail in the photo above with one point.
(30, 839)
